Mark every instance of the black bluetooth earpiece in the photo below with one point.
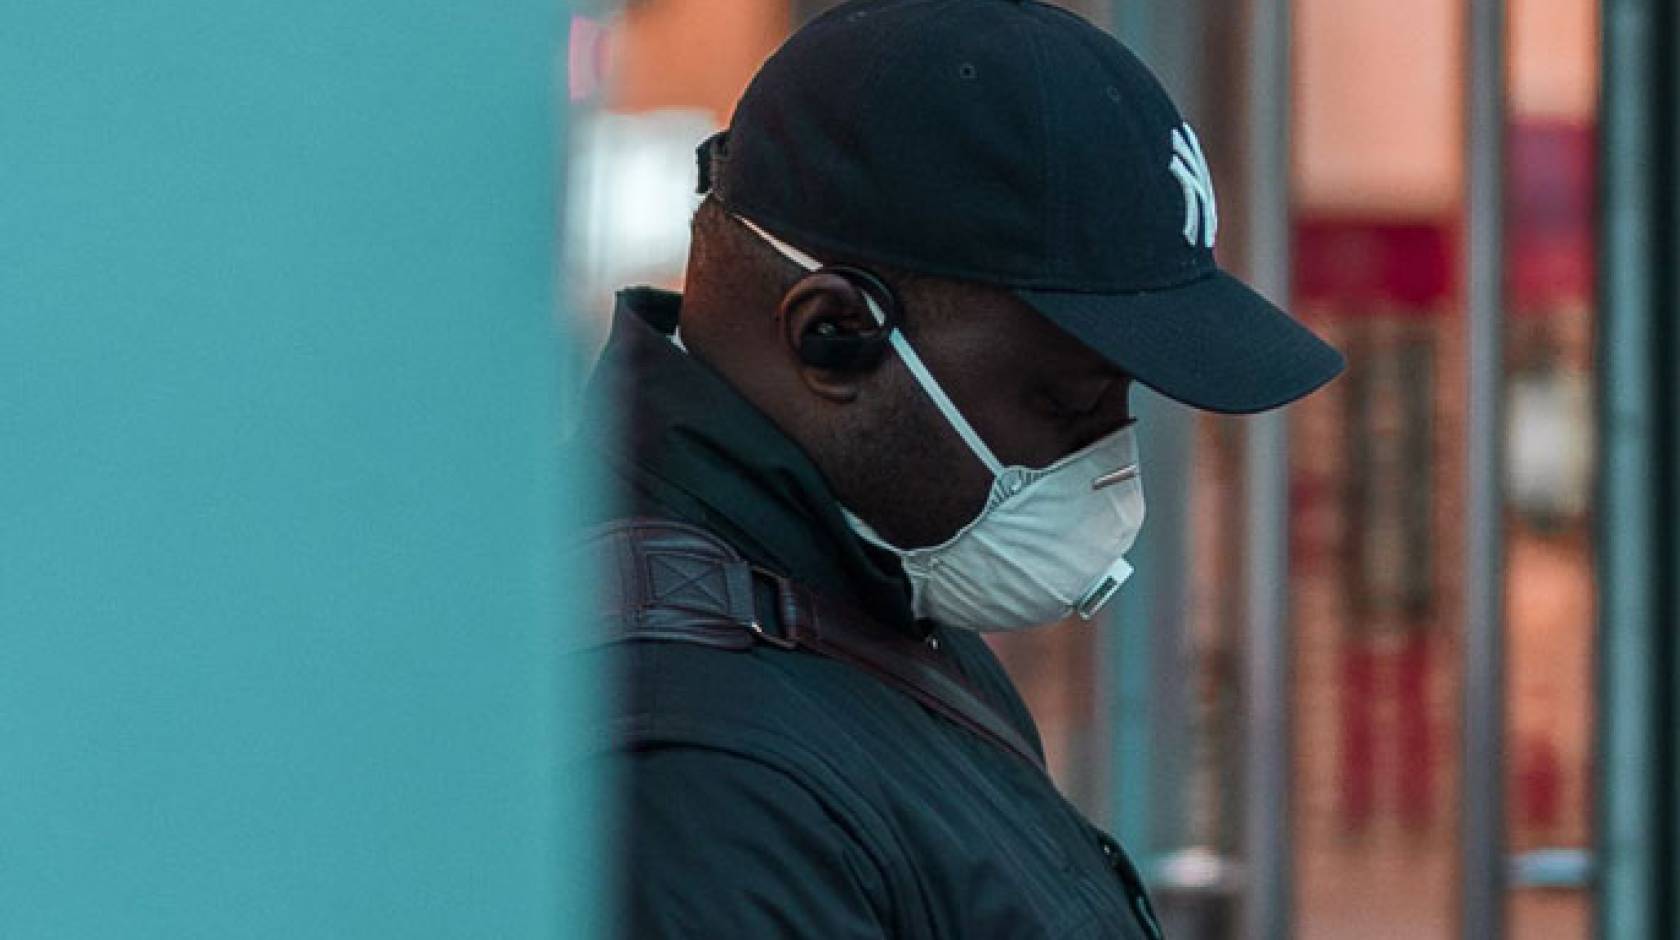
(828, 348)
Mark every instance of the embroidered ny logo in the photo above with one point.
(1188, 164)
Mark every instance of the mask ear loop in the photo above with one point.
(913, 362)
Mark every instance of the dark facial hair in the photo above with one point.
(904, 470)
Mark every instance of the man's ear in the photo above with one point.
(819, 317)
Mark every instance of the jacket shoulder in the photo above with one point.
(754, 750)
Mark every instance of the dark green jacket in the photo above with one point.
(776, 793)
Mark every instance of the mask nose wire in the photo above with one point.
(912, 361)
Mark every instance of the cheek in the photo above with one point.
(952, 487)
(924, 480)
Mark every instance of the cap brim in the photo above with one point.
(1213, 344)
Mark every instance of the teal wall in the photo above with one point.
(279, 474)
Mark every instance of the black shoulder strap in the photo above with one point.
(668, 581)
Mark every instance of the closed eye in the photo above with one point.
(1059, 410)
(1075, 404)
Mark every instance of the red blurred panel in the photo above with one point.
(1359, 737)
(1417, 757)
(1359, 266)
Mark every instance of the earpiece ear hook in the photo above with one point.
(877, 296)
(844, 352)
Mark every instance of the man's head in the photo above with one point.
(1043, 214)
(1033, 393)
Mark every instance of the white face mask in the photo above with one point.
(1048, 543)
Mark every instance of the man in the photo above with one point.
(943, 238)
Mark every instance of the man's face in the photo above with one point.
(1033, 393)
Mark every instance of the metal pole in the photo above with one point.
(1663, 179)
(1127, 645)
(1269, 745)
(1627, 543)
(1145, 648)
(1483, 829)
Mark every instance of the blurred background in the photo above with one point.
(1303, 758)
(284, 352)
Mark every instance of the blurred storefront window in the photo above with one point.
(1377, 479)
(1378, 467)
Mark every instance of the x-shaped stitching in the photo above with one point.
(670, 575)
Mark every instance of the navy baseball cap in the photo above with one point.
(1013, 144)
